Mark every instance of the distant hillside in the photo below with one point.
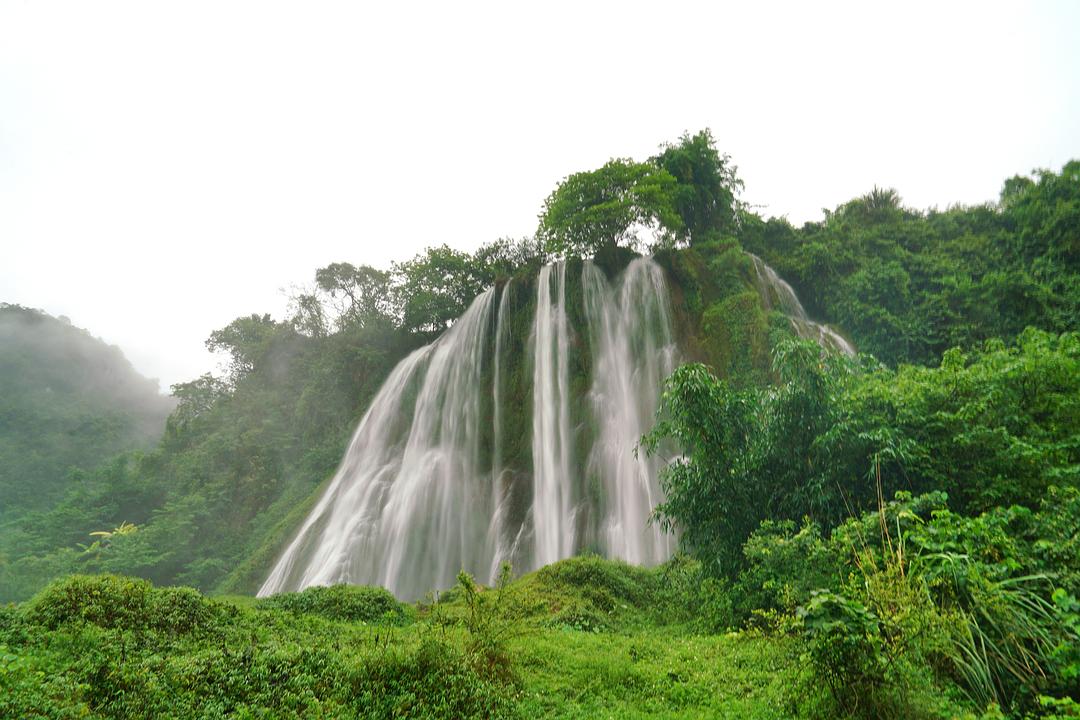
(67, 400)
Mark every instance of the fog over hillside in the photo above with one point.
(67, 399)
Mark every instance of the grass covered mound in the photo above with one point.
(591, 593)
(348, 603)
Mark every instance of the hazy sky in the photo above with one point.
(166, 167)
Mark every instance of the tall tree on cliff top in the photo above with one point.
(706, 185)
(590, 211)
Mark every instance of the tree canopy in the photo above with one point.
(590, 211)
(361, 294)
(706, 186)
(687, 193)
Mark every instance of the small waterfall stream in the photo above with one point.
(499, 493)
(777, 294)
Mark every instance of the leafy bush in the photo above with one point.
(491, 620)
(685, 595)
(1057, 533)
(347, 603)
(1066, 656)
(982, 573)
(942, 592)
(590, 593)
(845, 647)
(123, 603)
(1059, 708)
(108, 601)
(581, 617)
(606, 584)
(182, 610)
(27, 693)
(874, 643)
(13, 628)
(434, 681)
(783, 568)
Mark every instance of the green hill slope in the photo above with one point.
(67, 400)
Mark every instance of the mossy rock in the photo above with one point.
(589, 593)
(736, 338)
(607, 583)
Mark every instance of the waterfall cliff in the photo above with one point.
(512, 437)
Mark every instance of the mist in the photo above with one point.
(69, 400)
(166, 170)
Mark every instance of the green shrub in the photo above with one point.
(954, 601)
(874, 646)
(183, 610)
(434, 681)
(783, 567)
(684, 594)
(26, 692)
(1059, 708)
(605, 583)
(581, 617)
(109, 601)
(1058, 537)
(13, 630)
(845, 647)
(591, 593)
(1066, 656)
(122, 603)
(345, 603)
(491, 620)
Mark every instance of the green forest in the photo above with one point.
(890, 535)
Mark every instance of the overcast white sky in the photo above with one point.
(166, 167)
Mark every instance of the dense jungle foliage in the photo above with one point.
(888, 536)
(909, 285)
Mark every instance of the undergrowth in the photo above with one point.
(582, 638)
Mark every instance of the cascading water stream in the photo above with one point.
(553, 482)
(496, 531)
(409, 506)
(775, 291)
(633, 352)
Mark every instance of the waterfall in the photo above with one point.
(553, 522)
(451, 468)
(633, 352)
(777, 294)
